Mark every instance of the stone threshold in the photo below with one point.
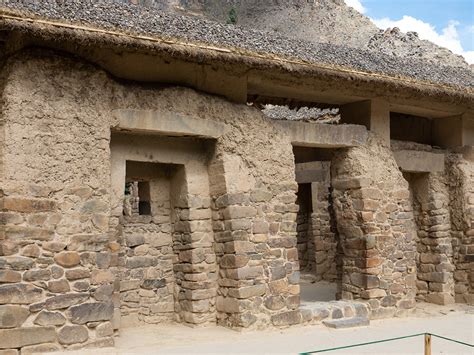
(335, 314)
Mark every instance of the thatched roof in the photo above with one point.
(143, 29)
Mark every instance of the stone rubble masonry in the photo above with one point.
(221, 243)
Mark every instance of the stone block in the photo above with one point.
(274, 303)
(248, 292)
(37, 275)
(245, 273)
(373, 293)
(58, 286)
(46, 318)
(13, 316)
(17, 262)
(9, 352)
(73, 334)
(20, 294)
(65, 301)
(347, 323)
(9, 276)
(441, 298)
(32, 251)
(100, 277)
(77, 274)
(287, 318)
(67, 259)
(234, 261)
(227, 305)
(18, 233)
(91, 312)
(153, 284)
(103, 292)
(104, 330)
(40, 348)
(19, 337)
(162, 307)
(28, 205)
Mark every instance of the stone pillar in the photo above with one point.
(461, 175)
(435, 260)
(255, 232)
(376, 229)
(374, 114)
(196, 268)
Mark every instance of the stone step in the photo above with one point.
(347, 322)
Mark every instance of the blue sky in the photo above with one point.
(449, 23)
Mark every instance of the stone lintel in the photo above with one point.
(321, 135)
(317, 171)
(167, 123)
(415, 161)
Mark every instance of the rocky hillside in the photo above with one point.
(323, 21)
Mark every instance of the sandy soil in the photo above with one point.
(454, 322)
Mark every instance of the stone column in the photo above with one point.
(196, 268)
(435, 263)
(376, 229)
(255, 231)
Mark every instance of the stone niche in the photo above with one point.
(162, 196)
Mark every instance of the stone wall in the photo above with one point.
(430, 198)
(220, 244)
(324, 229)
(147, 286)
(461, 182)
(376, 228)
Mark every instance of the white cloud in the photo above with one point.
(356, 4)
(448, 38)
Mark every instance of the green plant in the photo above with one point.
(232, 17)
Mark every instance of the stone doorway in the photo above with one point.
(319, 252)
(167, 270)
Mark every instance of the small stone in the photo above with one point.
(17, 262)
(287, 318)
(153, 284)
(19, 337)
(135, 240)
(68, 258)
(104, 330)
(59, 286)
(13, 316)
(57, 272)
(50, 318)
(76, 274)
(31, 250)
(103, 293)
(20, 294)
(54, 246)
(73, 334)
(37, 275)
(65, 301)
(99, 277)
(9, 276)
(91, 312)
(40, 348)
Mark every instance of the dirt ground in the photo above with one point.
(455, 322)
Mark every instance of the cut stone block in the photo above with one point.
(346, 322)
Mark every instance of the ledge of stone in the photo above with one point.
(414, 161)
(321, 135)
(167, 123)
